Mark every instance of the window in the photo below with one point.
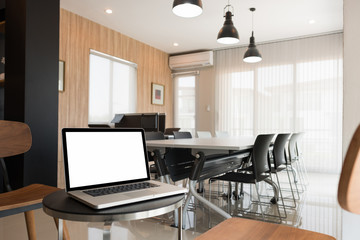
(296, 88)
(185, 103)
(112, 87)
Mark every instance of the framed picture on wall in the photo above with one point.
(157, 94)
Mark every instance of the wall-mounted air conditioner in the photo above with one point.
(192, 60)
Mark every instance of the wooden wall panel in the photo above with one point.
(77, 36)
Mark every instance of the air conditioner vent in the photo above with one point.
(193, 60)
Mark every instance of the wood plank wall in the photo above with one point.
(77, 36)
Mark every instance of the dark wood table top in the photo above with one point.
(60, 205)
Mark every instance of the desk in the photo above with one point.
(60, 205)
(229, 148)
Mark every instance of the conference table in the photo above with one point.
(228, 151)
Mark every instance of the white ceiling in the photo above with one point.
(152, 21)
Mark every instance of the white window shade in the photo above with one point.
(112, 87)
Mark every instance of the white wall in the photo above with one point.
(205, 119)
(351, 118)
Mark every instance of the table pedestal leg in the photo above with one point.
(107, 231)
(180, 223)
(60, 229)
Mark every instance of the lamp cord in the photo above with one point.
(252, 24)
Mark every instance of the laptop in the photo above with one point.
(100, 162)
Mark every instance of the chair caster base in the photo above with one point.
(274, 200)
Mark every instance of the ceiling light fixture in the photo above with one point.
(175, 44)
(311, 21)
(187, 8)
(228, 33)
(252, 55)
(108, 11)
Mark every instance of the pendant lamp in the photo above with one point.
(228, 33)
(187, 8)
(252, 55)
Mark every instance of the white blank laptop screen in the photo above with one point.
(104, 157)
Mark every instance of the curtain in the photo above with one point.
(297, 87)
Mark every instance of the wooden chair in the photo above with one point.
(15, 138)
(349, 184)
(244, 229)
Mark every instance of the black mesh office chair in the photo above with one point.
(260, 169)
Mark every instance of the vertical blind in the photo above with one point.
(296, 88)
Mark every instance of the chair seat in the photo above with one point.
(239, 177)
(247, 169)
(26, 196)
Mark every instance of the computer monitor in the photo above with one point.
(150, 122)
(162, 119)
(98, 125)
(129, 120)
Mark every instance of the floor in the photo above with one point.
(317, 210)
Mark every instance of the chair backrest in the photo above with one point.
(179, 162)
(154, 136)
(221, 134)
(279, 149)
(170, 131)
(260, 154)
(298, 149)
(15, 138)
(204, 134)
(349, 184)
(292, 146)
(178, 135)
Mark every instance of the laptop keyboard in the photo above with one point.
(119, 189)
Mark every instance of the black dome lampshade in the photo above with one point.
(252, 54)
(228, 33)
(187, 8)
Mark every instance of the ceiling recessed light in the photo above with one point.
(312, 21)
(175, 44)
(108, 11)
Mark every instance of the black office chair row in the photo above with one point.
(260, 168)
(173, 157)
